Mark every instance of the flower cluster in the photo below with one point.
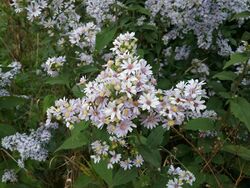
(199, 67)
(103, 150)
(51, 14)
(125, 91)
(30, 146)
(180, 177)
(7, 76)
(53, 65)
(102, 10)
(9, 175)
(202, 18)
(243, 68)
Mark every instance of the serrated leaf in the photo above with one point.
(225, 75)
(156, 137)
(236, 58)
(240, 108)
(105, 37)
(238, 150)
(123, 177)
(199, 124)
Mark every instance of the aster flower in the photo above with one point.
(148, 101)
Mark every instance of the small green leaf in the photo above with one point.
(236, 58)
(225, 75)
(240, 108)
(238, 150)
(123, 177)
(156, 137)
(105, 37)
(200, 124)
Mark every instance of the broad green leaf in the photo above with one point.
(240, 108)
(152, 156)
(102, 170)
(9, 102)
(123, 177)
(78, 137)
(74, 141)
(200, 124)
(238, 150)
(156, 137)
(225, 75)
(236, 58)
(105, 37)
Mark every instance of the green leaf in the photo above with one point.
(245, 36)
(199, 124)
(59, 80)
(156, 137)
(6, 130)
(105, 37)
(48, 101)
(87, 69)
(82, 181)
(74, 141)
(152, 156)
(77, 139)
(139, 9)
(9, 102)
(244, 14)
(102, 170)
(225, 75)
(236, 58)
(240, 108)
(238, 150)
(123, 177)
(77, 91)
